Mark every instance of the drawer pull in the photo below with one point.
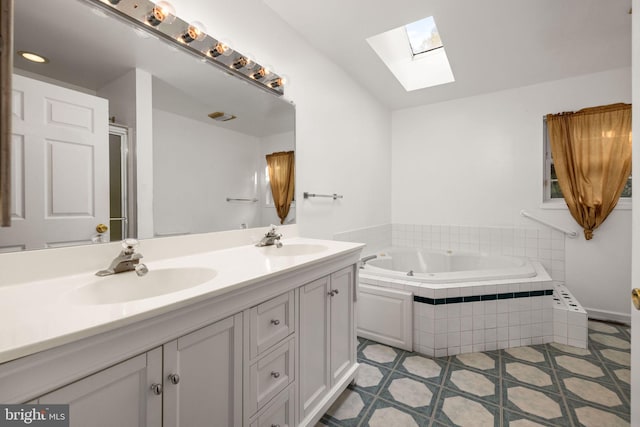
(174, 378)
(275, 322)
(275, 425)
(275, 374)
(156, 389)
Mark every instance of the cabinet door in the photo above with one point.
(314, 344)
(208, 389)
(118, 396)
(343, 339)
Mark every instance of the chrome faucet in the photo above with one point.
(363, 261)
(127, 260)
(271, 238)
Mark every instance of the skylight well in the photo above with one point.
(415, 54)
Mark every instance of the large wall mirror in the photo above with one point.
(115, 135)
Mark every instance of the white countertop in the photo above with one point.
(40, 315)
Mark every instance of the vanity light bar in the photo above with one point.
(192, 38)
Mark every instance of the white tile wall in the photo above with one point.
(544, 246)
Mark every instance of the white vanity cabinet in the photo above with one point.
(276, 350)
(202, 377)
(195, 380)
(117, 396)
(327, 341)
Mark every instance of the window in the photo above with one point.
(423, 36)
(551, 187)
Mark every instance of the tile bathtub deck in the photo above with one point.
(539, 385)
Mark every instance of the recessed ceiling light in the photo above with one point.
(33, 57)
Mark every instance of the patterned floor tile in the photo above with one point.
(535, 354)
(537, 404)
(602, 327)
(610, 341)
(515, 419)
(556, 348)
(370, 377)
(616, 356)
(538, 385)
(486, 362)
(349, 408)
(474, 383)
(423, 367)
(532, 376)
(379, 354)
(590, 416)
(578, 366)
(411, 393)
(462, 410)
(386, 414)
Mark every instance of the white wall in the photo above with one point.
(196, 167)
(342, 131)
(479, 161)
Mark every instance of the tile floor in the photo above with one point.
(539, 385)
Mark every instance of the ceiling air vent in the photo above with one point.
(220, 116)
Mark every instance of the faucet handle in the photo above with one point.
(130, 245)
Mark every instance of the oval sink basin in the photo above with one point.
(124, 287)
(294, 249)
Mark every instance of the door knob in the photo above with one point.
(635, 297)
(101, 228)
(174, 378)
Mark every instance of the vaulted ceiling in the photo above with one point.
(491, 44)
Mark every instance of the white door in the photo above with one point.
(118, 396)
(60, 176)
(203, 377)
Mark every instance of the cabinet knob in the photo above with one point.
(275, 322)
(336, 291)
(275, 425)
(333, 292)
(174, 378)
(156, 389)
(275, 374)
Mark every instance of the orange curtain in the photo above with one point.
(591, 151)
(282, 178)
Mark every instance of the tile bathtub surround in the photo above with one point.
(542, 245)
(547, 385)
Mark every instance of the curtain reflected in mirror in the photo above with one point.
(281, 178)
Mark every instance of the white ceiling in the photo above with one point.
(491, 44)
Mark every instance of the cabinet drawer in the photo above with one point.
(279, 412)
(271, 322)
(271, 374)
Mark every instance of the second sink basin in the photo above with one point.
(293, 249)
(124, 287)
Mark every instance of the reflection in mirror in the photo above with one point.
(161, 165)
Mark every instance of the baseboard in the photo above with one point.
(611, 316)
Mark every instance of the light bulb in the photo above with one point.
(244, 62)
(163, 11)
(279, 82)
(262, 72)
(220, 48)
(195, 31)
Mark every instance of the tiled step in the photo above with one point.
(569, 318)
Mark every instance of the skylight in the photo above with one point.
(423, 36)
(415, 54)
